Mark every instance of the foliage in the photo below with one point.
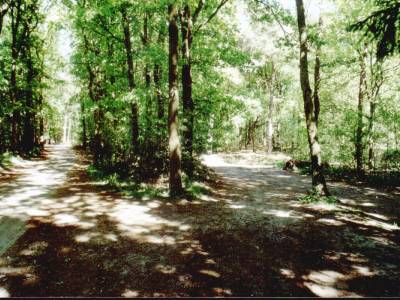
(383, 26)
(391, 159)
(314, 197)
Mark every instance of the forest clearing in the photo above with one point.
(199, 148)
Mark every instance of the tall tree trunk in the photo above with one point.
(157, 73)
(147, 75)
(175, 181)
(28, 138)
(188, 104)
(96, 146)
(3, 12)
(15, 21)
(318, 179)
(84, 134)
(359, 147)
(317, 78)
(159, 95)
(131, 79)
(376, 84)
(270, 126)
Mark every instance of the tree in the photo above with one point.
(383, 27)
(175, 156)
(360, 113)
(311, 114)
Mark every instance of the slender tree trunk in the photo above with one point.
(131, 79)
(157, 73)
(84, 134)
(159, 95)
(360, 109)
(15, 21)
(147, 76)
(2, 14)
(371, 154)
(94, 95)
(270, 126)
(376, 84)
(175, 181)
(318, 179)
(317, 79)
(28, 138)
(188, 104)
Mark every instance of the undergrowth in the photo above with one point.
(142, 190)
(6, 160)
(377, 178)
(314, 197)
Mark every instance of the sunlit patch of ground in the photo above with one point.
(250, 237)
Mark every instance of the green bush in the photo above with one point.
(314, 197)
(391, 159)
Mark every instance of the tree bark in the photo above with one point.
(376, 84)
(270, 126)
(3, 12)
(175, 180)
(15, 21)
(147, 74)
(84, 134)
(318, 179)
(188, 104)
(359, 147)
(131, 79)
(28, 138)
(157, 74)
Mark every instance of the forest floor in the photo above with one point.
(63, 234)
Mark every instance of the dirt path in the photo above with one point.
(250, 236)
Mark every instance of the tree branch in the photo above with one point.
(198, 11)
(222, 3)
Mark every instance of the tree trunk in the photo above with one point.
(2, 14)
(376, 84)
(157, 73)
(84, 134)
(15, 21)
(188, 104)
(159, 95)
(360, 108)
(131, 79)
(147, 76)
(175, 181)
(318, 179)
(270, 126)
(28, 138)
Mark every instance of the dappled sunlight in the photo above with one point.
(251, 230)
(328, 283)
(333, 222)
(210, 273)
(282, 214)
(130, 294)
(288, 273)
(4, 293)
(367, 222)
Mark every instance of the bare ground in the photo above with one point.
(249, 237)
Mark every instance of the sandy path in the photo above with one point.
(250, 236)
(28, 193)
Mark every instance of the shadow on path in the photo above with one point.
(250, 237)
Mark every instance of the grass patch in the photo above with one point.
(280, 164)
(144, 191)
(8, 159)
(314, 197)
(377, 178)
(194, 189)
(5, 160)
